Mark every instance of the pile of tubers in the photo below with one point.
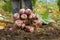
(26, 19)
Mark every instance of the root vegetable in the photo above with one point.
(28, 11)
(11, 29)
(29, 28)
(23, 25)
(38, 22)
(24, 16)
(16, 16)
(21, 11)
(32, 16)
(19, 23)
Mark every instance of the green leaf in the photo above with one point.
(7, 6)
(44, 18)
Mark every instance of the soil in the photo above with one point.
(46, 32)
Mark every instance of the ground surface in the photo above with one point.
(47, 32)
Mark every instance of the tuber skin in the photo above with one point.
(28, 11)
(29, 28)
(21, 11)
(32, 16)
(11, 29)
(38, 22)
(16, 16)
(24, 16)
(23, 26)
(18, 23)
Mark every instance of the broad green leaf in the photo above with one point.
(45, 18)
(42, 12)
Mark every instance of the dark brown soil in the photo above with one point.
(47, 32)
